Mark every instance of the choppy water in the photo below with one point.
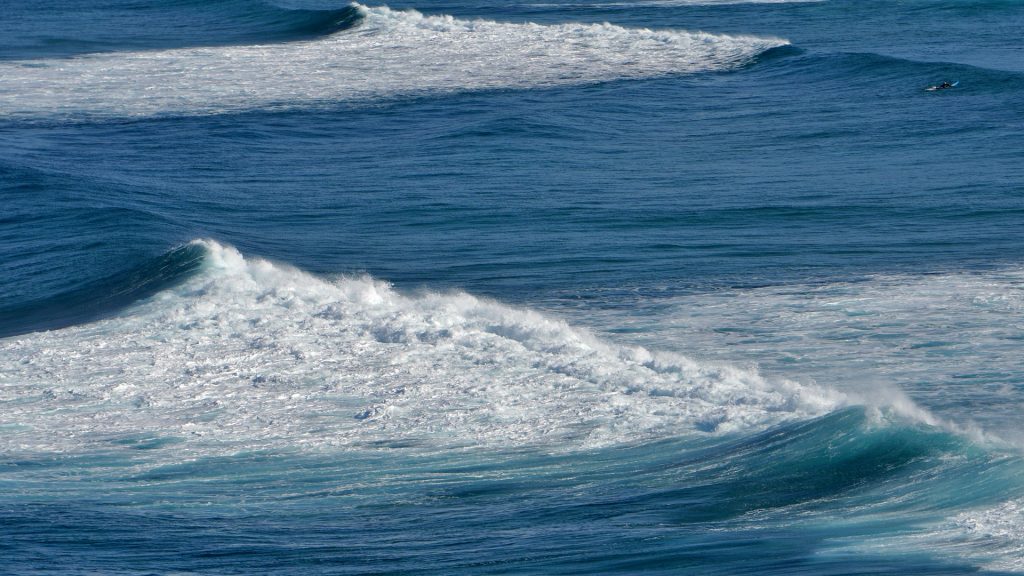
(547, 287)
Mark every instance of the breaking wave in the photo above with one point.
(390, 53)
(250, 354)
(222, 356)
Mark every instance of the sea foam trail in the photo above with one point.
(950, 340)
(390, 53)
(248, 354)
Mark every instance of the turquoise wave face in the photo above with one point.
(869, 501)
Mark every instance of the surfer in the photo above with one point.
(945, 84)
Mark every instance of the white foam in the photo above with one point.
(251, 354)
(991, 537)
(994, 534)
(949, 342)
(392, 53)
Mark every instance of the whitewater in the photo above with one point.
(379, 53)
(252, 355)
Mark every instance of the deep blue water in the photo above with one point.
(560, 287)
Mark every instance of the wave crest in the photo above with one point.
(390, 54)
(252, 354)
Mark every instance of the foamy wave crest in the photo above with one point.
(250, 354)
(389, 54)
(908, 344)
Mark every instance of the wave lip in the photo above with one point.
(291, 24)
(50, 28)
(103, 297)
(389, 54)
(248, 354)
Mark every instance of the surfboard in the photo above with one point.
(934, 88)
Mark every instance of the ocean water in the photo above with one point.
(537, 287)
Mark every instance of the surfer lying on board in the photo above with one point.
(943, 86)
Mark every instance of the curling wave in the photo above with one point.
(119, 25)
(389, 54)
(98, 298)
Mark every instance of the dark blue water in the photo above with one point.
(294, 288)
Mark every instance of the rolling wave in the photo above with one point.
(883, 68)
(99, 298)
(256, 19)
(389, 54)
(56, 29)
(247, 353)
(224, 358)
(881, 74)
(64, 238)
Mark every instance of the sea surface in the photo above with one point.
(528, 287)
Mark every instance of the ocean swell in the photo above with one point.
(245, 368)
(390, 54)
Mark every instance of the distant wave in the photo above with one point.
(273, 21)
(836, 70)
(263, 19)
(112, 26)
(390, 53)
